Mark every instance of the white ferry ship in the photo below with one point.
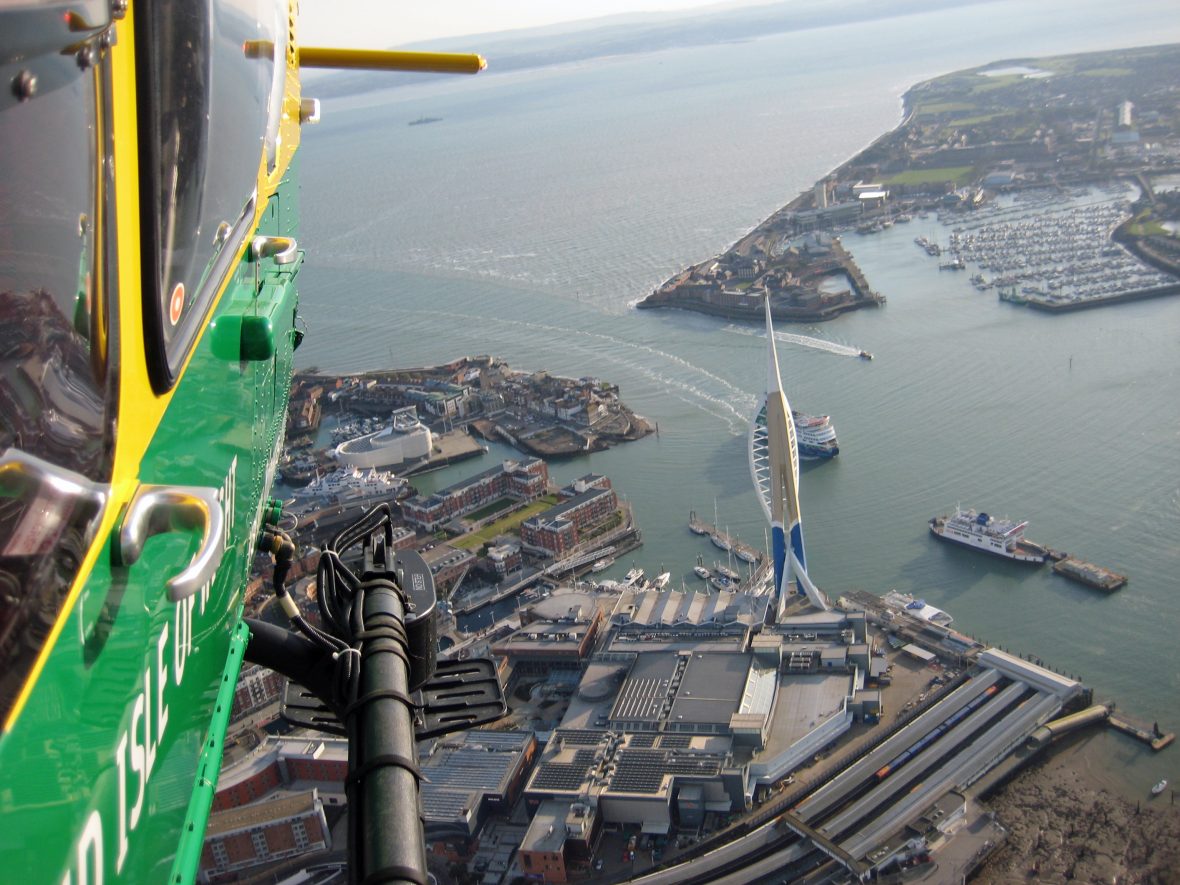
(815, 437)
(999, 536)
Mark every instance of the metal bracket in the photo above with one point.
(461, 695)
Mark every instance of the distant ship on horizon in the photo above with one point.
(423, 120)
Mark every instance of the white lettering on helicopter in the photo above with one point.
(138, 746)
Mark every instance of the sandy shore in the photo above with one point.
(1069, 822)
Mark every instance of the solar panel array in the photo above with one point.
(444, 804)
(566, 776)
(643, 740)
(582, 737)
(676, 741)
(638, 771)
(642, 771)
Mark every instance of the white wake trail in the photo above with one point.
(801, 340)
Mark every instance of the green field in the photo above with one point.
(957, 174)
(475, 540)
(495, 507)
(944, 107)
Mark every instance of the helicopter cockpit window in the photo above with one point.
(57, 375)
(209, 92)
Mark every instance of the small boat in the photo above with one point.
(865, 355)
(745, 555)
(661, 580)
(633, 577)
(719, 541)
(602, 565)
(728, 573)
(719, 583)
(701, 572)
(1160, 787)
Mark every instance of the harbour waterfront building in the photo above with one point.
(558, 633)
(524, 480)
(559, 529)
(404, 439)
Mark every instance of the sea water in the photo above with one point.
(528, 221)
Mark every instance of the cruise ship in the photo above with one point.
(815, 437)
(999, 536)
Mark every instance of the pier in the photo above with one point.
(1153, 737)
(744, 552)
(1089, 574)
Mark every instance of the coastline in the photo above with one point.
(960, 144)
(1067, 819)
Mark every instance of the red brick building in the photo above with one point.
(559, 529)
(241, 838)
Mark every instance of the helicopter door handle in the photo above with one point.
(156, 510)
(282, 249)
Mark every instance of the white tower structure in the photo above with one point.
(774, 467)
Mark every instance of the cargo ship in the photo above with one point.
(982, 532)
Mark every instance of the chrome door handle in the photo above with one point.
(157, 510)
(282, 249)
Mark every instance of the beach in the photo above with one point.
(1068, 821)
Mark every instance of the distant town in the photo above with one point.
(976, 148)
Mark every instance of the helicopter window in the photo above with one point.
(209, 97)
(57, 377)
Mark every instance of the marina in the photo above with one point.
(1055, 247)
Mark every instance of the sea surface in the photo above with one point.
(544, 203)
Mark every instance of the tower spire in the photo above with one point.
(774, 466)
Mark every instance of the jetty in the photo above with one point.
(1089, 574)
(742, 551)
(1153, 737)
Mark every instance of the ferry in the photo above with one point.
(917, 608)
(815, 437)
(982, 532)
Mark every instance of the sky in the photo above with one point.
(380, 24)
